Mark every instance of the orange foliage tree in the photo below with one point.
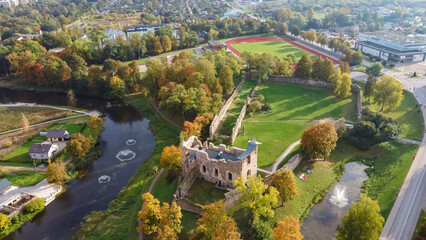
(288, 229)
(318, 141)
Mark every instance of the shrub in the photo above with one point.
(365, 129)
(267, 107)
(34, 205)
(254, 106)
(4, 173)
(8, 144)
(262, 231)
(260, 98)
(341, 131)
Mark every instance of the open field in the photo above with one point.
(279, 47)
(422, 220)
(408, 115)
(119, 221)
(163, 189)
(203, 192)
(22, 178)
(10, 117)
(294, 109)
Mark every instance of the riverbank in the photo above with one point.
(120, 220)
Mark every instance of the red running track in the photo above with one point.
(266, 39)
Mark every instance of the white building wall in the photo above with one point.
(369, 50)
(418, 57)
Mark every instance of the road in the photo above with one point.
(405, 212)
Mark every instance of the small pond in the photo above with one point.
(325, 216)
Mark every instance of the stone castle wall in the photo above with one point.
(220, 116)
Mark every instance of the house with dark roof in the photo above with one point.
(56, 135)
(219, 165)
(4, 185)
(42, 150)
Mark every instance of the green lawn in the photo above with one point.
(189, 222)
(163, 190)
(24, 178)
(120, 220)
(274, 136)
(298, 102)
(203, 192)
(279, 47)
(294, 107)
(392, 162)
(408, 115)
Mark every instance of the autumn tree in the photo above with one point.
(344, 88)
(363, 221)
(162, 223)
(304, 67)
(56, 172)
(150, 215)
(166, 43)
(5, 221)
(328, 70)
(322, 40)
(117, 86)
(170, 158)
(311, 13)
(288, 229)
(214, 223)
(388, 92)
(258, 196)
(344, 67)
(96, 124)
(318, 141)
(286, 185)
(25, 124)
(195, 127)
(78, 145)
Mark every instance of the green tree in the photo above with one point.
(286, 185)
(259, 197)
(78, 145)
(318, 69)
(56, 172)
(328, 70)
(322, 40)
(369, 86)
(374, 69)
(304, 67)
(166, 43)
(344, 66)
(35, 205)
(226, 79)
(295, 31)
(318, 141)
(362, 222)
(387, 92)
(336, 79)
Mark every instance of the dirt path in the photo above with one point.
(13, 168)
(158, 111)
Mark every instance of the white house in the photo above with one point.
(42, 150)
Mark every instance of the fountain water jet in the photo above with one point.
(339, 197)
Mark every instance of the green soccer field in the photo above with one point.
(279, 47)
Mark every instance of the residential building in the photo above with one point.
(42, 150)
(391, 46)
(215, 46)
(113, 33)
(57, 135)
(4, 185)
(5, 3)
(218, 165)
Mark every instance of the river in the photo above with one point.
(324, 217)
(61, 218)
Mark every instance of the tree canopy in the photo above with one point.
(318, 141)
(387, 92)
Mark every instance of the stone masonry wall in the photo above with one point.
(218, 118)
(290, 165)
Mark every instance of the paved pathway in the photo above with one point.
(284, 155)
(408, 140)
(405, 212)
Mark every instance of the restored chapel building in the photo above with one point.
(218, 165)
